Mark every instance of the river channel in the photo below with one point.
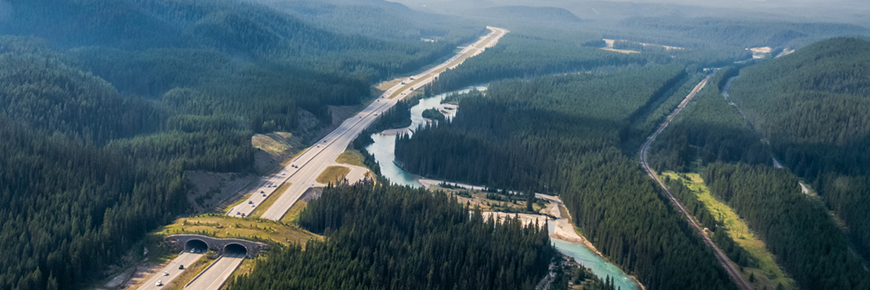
(384, 149)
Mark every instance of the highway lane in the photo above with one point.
(306, 167)
(720, 256)
(215, 276)
(185, 259)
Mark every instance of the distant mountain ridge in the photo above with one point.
(529, 13)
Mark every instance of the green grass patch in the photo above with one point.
(352, 157)
(222, 226)
(270, 200)
(245, 268)
(333, 174)
(768, 274)
(292, 215)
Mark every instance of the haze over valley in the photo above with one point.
(437, 144)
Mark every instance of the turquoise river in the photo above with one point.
(384, 148)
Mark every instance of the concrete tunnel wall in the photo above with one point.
(181, 242)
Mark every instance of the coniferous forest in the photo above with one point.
(793, 224)
(391, 237)
(101, 116)
(797, 230)
(561, 134)
(812, 107)
(105, 105)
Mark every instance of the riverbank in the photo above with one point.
(554, 215)
(562, 233)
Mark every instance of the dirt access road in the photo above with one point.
(720, 256)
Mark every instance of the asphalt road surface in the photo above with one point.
(305, 168)
(215, 276)
(185, 259)
(729, 267)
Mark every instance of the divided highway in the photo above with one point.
(720, 256)
(215, 276)
(185, 259)
(305, 168)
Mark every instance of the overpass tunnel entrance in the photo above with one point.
(235, 250)
(195, 246)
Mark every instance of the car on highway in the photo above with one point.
(165, 273)
(159, 283)
(262, 191)
(180, 267)
(251, 201)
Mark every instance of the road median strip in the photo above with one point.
(203, 271)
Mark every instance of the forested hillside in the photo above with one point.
(561, 134)
(797, 230)
(714, 33)
(382, 19)
(812, 107)
(707, 130)
(243, 58)
(391, 237)
(532, 51)
(498, 14)
(105, 104)
(500, 136)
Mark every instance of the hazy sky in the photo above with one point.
(768, 3)
(4, 10)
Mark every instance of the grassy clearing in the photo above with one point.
(768, 274)
(352, 157)
(222, 226)
(277, 143)
(292, 215)
(563, 212)
(245, 268)
(187, 275)
(333, 174)
(478, 198)
(378, 90)
(270, 200)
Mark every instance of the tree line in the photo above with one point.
(812, 107)
(711, 136)
(795, 229)
(560, 134)
(105, 104)
(390, 237)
